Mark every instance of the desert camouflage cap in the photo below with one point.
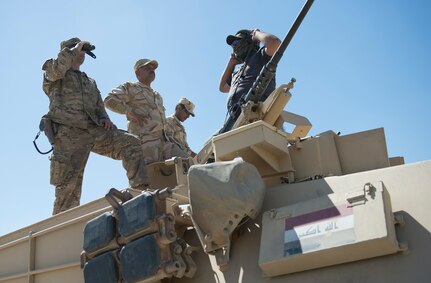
(188, 105)
(144, 62)
(69, 42)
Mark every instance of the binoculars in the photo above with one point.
(87, 48)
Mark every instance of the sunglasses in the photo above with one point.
(235, 42)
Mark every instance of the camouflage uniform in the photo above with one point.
(77, 109)
(143, 100)
(177, 133)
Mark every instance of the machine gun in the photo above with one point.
(248, 103)
(267, 72)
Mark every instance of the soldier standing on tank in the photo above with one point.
(175, 129)
(82, 126)
(145, 113)
(247, 52)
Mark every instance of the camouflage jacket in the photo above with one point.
(139, 99)
(74, 97)
(177, 133)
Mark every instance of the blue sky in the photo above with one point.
(359, 65)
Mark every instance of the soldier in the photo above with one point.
(175, 129)
(82, 125)
(247, 52)
(145, 112)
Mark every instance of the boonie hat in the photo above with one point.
(70, 42)
(188, 105)
(239, 35)
(143, 62)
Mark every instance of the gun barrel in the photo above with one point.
(272, 64)
(268, 71)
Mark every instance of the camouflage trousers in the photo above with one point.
(156, 148)
(72, 148)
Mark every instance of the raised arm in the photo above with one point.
(270, 41)
(55, 69)
(223, 85)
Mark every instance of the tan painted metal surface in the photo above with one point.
(48, 251)
(328, 230)
(408, 186)
(52, 255)
(328, 164)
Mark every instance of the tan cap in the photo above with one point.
(188, 105)
(144, 62)
(70, 42)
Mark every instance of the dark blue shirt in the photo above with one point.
(242, 79)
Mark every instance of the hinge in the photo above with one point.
(360, 197)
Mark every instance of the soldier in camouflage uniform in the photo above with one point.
(82, 125)
(145, 112)
(175, 129)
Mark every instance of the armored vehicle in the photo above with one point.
(259, 203)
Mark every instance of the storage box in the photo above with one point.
(329, 230)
